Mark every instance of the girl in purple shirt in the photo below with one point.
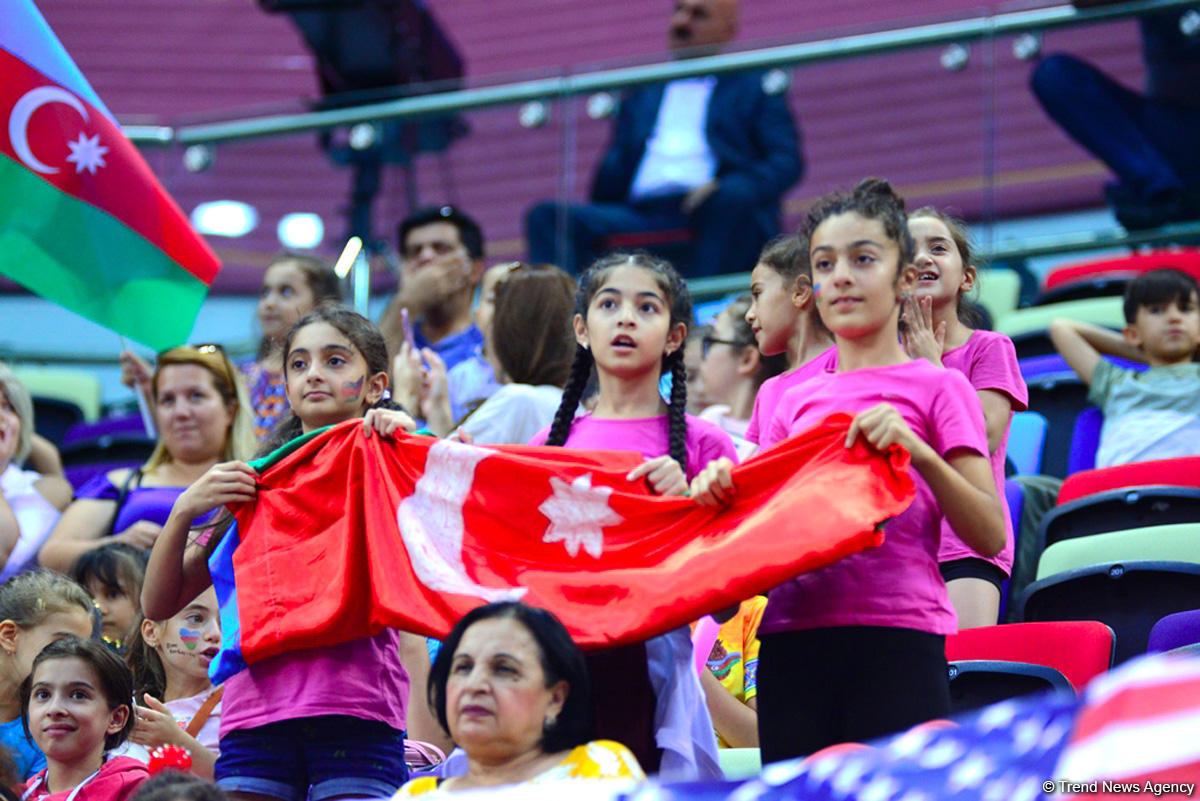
(631, 319)
(941, 328)
(856, 650)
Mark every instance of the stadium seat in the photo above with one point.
(1026, 437)
(1179, 542)
(740, 763)
(1080, 650)
(1183, 471)
(1085, 440)
(78, 387)
(998, 291)
(54, 417)
(1179, 630)
(1130, 507)
(1015, 496)
(980, 683)
(1109, 276)
(1029, 327)
(1130, 596)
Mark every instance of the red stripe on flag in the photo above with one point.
(1137, 704)
(123, 186)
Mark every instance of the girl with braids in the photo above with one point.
(329, 721)
(631, 317)
(856, 650)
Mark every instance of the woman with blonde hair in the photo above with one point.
(203, 417)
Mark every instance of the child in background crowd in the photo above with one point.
(730, 678)
(75, 703)
(856, 650)
(693, 357)
(784, 319)
(171, 785)
(936, 330)
(291, 287)
(328, 721)
(631, 319)
(731, 372)
(113, 575)
(36, 608)
(531, 353)
(169, 659)
(1154, 414)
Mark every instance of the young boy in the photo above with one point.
(1153, 414)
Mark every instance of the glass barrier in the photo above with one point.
(937, 102)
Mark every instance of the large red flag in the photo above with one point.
(349, 535)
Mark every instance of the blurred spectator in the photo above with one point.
(203, 417)
(442, 262)
(30, 503)
(731, 371)
(713, 155)
(532, 355)
(1147, 140)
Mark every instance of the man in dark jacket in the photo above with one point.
(710, 156)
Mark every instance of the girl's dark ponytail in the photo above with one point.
(581, 370)
(676, 410)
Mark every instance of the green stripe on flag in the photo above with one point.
(82, 258)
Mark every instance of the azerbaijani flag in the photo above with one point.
(83, 221)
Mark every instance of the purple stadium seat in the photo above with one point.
(1175, 631)
(1085, 440)
(1016, 502)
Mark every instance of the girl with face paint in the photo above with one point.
(320, 720)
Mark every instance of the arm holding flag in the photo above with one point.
(176, 572)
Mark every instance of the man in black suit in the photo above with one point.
(710, 155)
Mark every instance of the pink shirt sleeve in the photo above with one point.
(992, 364)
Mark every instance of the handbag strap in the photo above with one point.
(134, 479)
(204, 712)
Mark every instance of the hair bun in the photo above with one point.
(878, 189)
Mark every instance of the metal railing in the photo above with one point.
(782, 56)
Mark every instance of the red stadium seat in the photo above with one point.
(1125, 267)
(1180, 472)
(1078, 649)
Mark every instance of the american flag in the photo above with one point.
(1137, 724)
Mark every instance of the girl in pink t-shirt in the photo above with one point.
(324, 721)
(632, 314)
(783, 317)
(940, 328)
(856, 650)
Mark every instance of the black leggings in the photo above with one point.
(841, 684)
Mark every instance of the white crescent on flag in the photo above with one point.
(18, 121)
(431, 522)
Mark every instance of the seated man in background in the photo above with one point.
(711, 155)
(1147, 140)
(1153, 414)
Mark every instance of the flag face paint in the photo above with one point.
(413, 532)
(83, 221)
(352, 390)
(189, 638)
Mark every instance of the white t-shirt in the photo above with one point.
(677, 157)
(514, 414)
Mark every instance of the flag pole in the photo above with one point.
(143, 406)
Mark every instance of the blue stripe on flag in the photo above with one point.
(220, 564)
(25, 33)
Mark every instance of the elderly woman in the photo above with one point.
(512, 690)
(203, 417)
(30, 503)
